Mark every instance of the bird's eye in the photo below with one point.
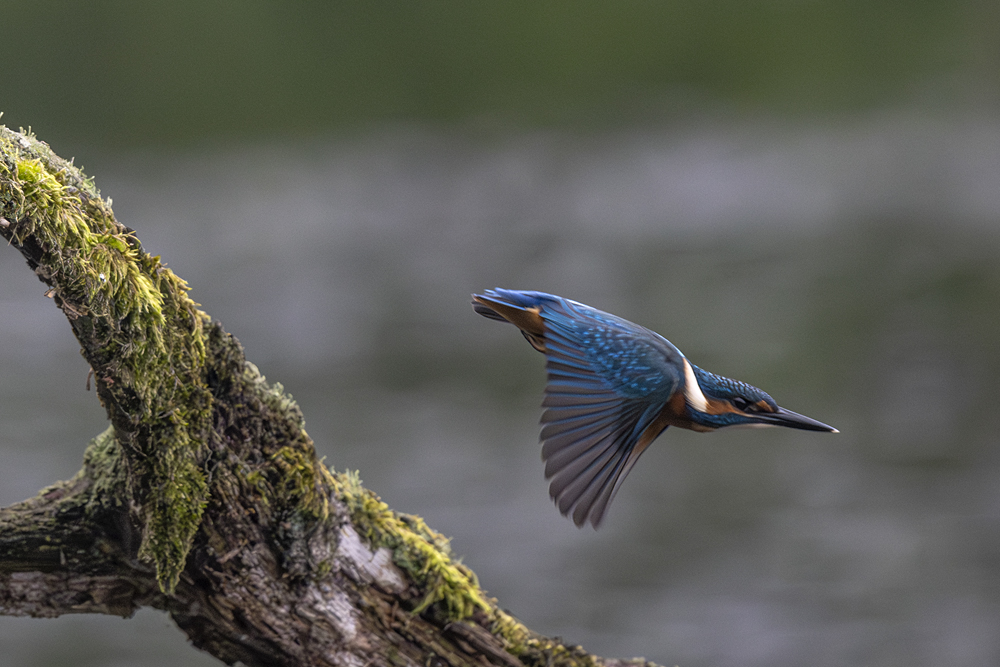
(741, 404)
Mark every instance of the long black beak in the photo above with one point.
(791, 419)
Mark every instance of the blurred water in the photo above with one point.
(850, 268)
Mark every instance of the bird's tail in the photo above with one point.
(519, 308)
(522, 309)
(485, 309)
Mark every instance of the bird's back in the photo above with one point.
(630, 359)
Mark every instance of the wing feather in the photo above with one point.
(568, 414)
(609, 490)
(587, 452)
(566, 435)
(609, 380)
(559, 399)
(560, 451)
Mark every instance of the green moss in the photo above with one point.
(102, 464)
(535, 650)
(140, 332)
(297, 481)
(324, 569)
(291, 478)
(425, 556)
(421, 552)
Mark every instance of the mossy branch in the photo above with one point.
(205, 497)
(141, 333)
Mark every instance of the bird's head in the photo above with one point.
(715, 402)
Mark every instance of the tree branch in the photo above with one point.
(205, 497)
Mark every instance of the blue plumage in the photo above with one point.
(613, 387)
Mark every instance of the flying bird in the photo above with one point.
(613, 387)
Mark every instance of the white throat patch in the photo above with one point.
(692, 392)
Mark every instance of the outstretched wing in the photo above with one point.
(604, 398)
(608, 383)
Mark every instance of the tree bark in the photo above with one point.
(204, 497)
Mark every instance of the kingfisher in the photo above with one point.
(613, 387)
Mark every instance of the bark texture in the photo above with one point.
(204, 496)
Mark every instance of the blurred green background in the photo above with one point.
(801, 195)
(121, 75)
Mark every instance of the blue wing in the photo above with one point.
(609, 381)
